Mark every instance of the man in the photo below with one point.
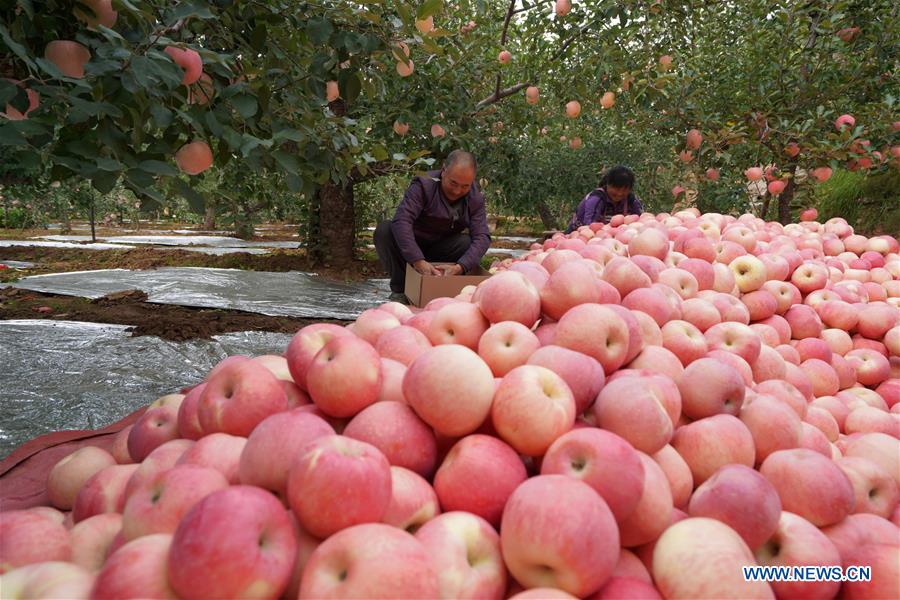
(612, 197)
(429, 223)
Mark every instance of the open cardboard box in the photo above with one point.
(421, 289)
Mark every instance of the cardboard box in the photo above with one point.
(421, 289)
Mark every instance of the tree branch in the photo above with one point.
(504, 93)
(509, 14)
(810, 44)
(569, 41)
(501, 94)
(376, 169)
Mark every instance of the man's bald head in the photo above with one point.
(458, 174)
(460, 158)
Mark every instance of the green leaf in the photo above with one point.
(9, 136)
(319, 30)
(8, 91)
(246, 105)
(140, 178)
(95, 109)
(213, 123)
(105, 181)
(233, 138)
(294, 183)
(17, 48)
(406, 16)
(49, 68)
(187, 117)
(286, 161)
(150, 200)
(250, 143)
(191, 9)
(162, 116)
(258, 37)
(194, 199)
(158, 167)
(143, 69)
(429, 8)
(354, 42)
(380, 152)
(131, 7)
(110, 165)
(110, 34)
(289, 134)
(350, 85)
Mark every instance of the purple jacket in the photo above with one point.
(424, 216)
(597, 206)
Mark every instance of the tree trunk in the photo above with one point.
(332, 227)
(546, 215)
(765, 207)
(93, 221)
(209, 218)
(66, 221)
(784, 203)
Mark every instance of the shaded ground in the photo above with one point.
(166, 321)
(176, 323)
(64, 260)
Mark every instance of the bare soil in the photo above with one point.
(166, 321)
(176, 323)
(63, 260)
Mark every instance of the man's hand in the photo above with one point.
(426, 268)
(451, 269)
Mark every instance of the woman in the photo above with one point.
(612, 197)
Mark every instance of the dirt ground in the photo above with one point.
(175, 323)
(63, 260)
(169, 322)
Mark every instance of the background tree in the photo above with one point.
(305, 101)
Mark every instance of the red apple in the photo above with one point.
(218, 451)
(713, 442)
(558, 532)
(397, 432)
(242, 542)
(92, 539)
(465, 551)
(238, 397)
(274, 444)
(137, 569)
(413, 501)
(337, 482)
(742, 499)
(451, 404)
(603, 460)
(370, 561)
(27, 537)
(702, 558)
(798, 543)
(159, 505)
(345, 376)
(70, 474)
(810, 485)
(477, 476)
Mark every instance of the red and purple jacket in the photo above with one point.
(425, 215)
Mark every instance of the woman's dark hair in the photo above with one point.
(621, 177)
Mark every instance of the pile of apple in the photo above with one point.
(635, 410)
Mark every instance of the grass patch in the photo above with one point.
(870, 204)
